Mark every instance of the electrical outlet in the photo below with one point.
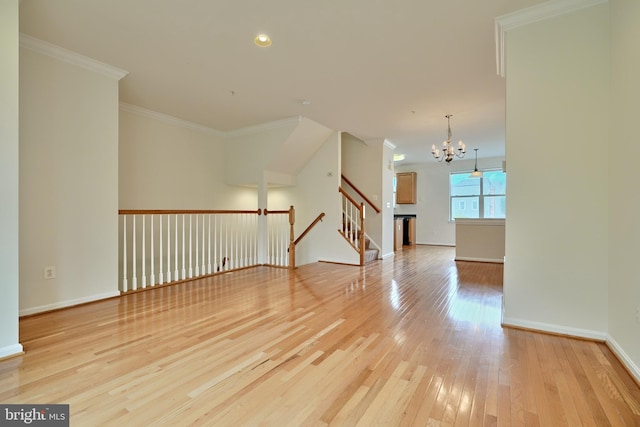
(49, 272)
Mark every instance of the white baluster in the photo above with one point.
(184, 269)
(175, 250)
(271, 258)
(161, 247)
(197, 247)
(190, 249)
(144, 251)
(226, 242)
(134, 279)
(236, 230)
(152, 277)
(276, 240)
(268, 222)
(245, 240)
(280, 233)
(209, 246)
(231, 234)
(285, 239)
(274, 244)
(168, 248)
(125, 283)
(203, 268)
(351, 228)
(256, 221)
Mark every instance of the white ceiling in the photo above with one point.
(373, 68)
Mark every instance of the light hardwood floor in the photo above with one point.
(412, 340)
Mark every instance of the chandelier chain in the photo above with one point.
(448, 152)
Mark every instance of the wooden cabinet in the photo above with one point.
(411, 234)
(406, 187)
(397, 234)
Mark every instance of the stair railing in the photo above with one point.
(353, 215)
(361, 194)
(306, 231)
(280, 237)
(166, 246)
(274, 247)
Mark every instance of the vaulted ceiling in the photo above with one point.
(373, 68)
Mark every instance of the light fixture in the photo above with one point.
(397, 157)
(448, 151)
(476, 173)
(262, 40)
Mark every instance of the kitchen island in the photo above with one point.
(480, 240)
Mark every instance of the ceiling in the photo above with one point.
(373, 68)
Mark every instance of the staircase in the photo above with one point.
(351, 233)
(353, 225)
(370, 253)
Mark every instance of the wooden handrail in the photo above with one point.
(304, 233)
(185, 211)
(267, 212)
(345, 194)
(361, 194)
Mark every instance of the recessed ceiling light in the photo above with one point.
(398, 157)
(262, 40)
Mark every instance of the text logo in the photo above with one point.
(34, 415)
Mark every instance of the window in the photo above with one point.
(477, 197)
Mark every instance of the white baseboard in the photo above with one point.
(68, 303)
(555, 329)
(11, 350)
(624, 358)
(493, 260)
(389, 255)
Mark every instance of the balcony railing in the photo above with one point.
(162, 246)
(159, 247)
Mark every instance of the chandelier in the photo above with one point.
(448, 151)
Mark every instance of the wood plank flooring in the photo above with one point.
(412, 340)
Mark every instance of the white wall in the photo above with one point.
(388, 172)
(68, 183)
(362, 165)
(557, 148)
(248, 154)
(316, 191)
(9, 265)
(432, 210)
(480, 240)
(168, 166)
(272, 153)
(624, 202)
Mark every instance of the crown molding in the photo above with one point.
(171, 120)
(175, 121)
(70, 57)
(276, 124)
(530, 15)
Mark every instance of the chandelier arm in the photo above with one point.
(448, 152)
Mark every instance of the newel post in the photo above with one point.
(292, 245)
